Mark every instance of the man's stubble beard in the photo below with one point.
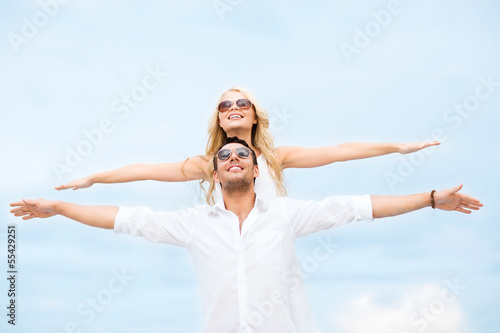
(235, 187)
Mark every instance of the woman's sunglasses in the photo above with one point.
(242, 152)
(243, 104)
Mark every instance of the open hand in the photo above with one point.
(450, 199)
(29, 209)
(76, 184)
(406, 148)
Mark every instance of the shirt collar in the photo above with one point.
(260, 203)
(219, 205)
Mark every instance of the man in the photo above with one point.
(243, 247)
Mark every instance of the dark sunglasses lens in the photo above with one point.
(243, 152)
(224, 154)
(244, 103)
(225, 105)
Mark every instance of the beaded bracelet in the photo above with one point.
(433, 203)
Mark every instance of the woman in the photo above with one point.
(239, 114)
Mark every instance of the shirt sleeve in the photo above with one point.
(163, 227)
(307, 217)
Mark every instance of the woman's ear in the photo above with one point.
(254, 116)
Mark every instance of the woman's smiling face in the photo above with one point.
(236, 118)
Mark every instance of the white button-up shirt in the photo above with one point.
(245, 277)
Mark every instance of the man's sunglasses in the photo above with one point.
(242, 152)
(243, 104)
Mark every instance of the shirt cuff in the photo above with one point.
(121, 219)
(365, 208)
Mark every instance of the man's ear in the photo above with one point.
(216, 177)
(256, 171)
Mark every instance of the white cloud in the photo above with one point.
(430, 309)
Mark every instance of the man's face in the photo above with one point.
(235, 172)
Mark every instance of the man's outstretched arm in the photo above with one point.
(94, 216)
(450, 199)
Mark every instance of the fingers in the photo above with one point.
(29, 202)
(23, 213)
(469, 206)
(474, 203)
(461, 210)
(458, 188)
(66, 186)
(22, 204)
(23, 207)
(434, 143)
(18, 209)
(454, 190)
(468, 199)
(21, 210)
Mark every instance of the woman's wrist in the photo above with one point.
(92, 179)
(399, 148)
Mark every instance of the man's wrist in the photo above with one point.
(58, 207)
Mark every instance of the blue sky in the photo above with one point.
(332, 72)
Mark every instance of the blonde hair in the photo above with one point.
(261, 139)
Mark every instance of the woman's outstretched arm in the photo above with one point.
(194, 168)
(298, 157)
